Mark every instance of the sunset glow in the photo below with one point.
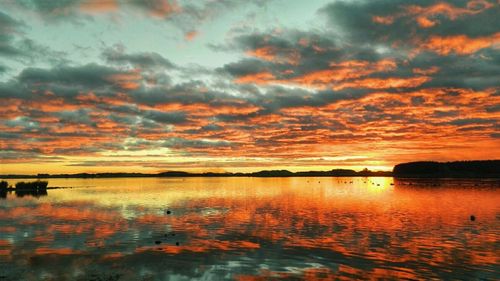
(241, 86)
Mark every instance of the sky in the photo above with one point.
(246, 85)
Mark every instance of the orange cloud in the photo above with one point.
(257, 78)
(428, 71)
(90, 99)
(426, 16)
(383, 20)
(384, 83)
(265, 53)
(163, 8)
(459, 44)
(322, 78)
(344, 71)
(204, 110)
(189, 36)
(126, 81)
(270, 53)
(99, 6)
(425, 22)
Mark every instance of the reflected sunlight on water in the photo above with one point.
(252, 229)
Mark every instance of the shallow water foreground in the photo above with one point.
(252, 229)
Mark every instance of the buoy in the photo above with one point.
(472, 217)
(157, 242)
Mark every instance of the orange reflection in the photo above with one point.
(357, 227)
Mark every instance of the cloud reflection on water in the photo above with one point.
(251, 229)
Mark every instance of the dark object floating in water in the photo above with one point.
(173, 234)
(35, 185)
(472, 218)
(157, 242)
(168, 212)
(3, 193)
(177, 243)
(36, 188)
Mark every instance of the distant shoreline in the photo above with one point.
(422, 169)
(180, 174)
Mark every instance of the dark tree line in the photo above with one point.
(457, 169)
(35, 188)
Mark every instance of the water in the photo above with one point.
(252, 229)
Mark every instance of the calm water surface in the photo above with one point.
(252, 229)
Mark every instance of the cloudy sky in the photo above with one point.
(245, 85)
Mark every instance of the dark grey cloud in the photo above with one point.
(300, 51)
(175, 117)
(8, 24)
(354, 36)
(183, 93)
(493, 108)
(27, 155)
(14, 45)
(473, 121)
(354, 21)
(71, 81)
(187, 16)
(49, 7)
(441, 114)
(80, 116)
(477, 72)
(189, 143)
(24, 122)
(147, 60)
(291, 54)
(54, 10)
(91, 75)
(12, 89)
(9, 27)
(246, 67)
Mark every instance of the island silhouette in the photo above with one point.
(456, 169)
(36, 188)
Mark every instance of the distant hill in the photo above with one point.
(458, 169)
(265, 173)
